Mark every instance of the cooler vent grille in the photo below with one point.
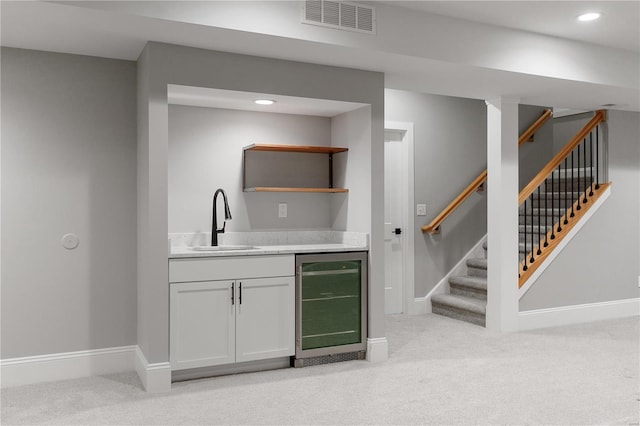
(329, 359)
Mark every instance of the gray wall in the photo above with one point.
(68, 166)
(601, 263)
(535, 155)
(450, 150)
(566, 127)
(205, 153)
(354, 171)
(163, 64)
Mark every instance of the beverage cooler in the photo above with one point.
(331, 307)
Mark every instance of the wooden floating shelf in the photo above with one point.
(296, 148)
(280, 189)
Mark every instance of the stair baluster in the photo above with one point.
(532, 259)
(559, 200)
(539, 239)
(572, 189)
(584, 165)
(591, 164)
(578, 207)
(597, 159)
(553, 196)
(566, 193)
(525, 267)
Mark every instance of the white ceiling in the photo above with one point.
(619, 26)
(234, 99)
(121, 30)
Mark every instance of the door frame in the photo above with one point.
(408, 218)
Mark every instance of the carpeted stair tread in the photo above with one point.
(477, 283)
(461, 303)
(556, 211)
(477, 262)
(467, 300)
(538, 220)
(558, 195)
(556, 199)
(536, 229)
(573, 172)
(558, 185)
(522, 248)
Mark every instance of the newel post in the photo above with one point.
(502, 214)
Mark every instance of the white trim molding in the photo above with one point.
(155, 377)
(408, 270)
(66, 365)
(377, 349)
(420, 306)
(576, 314)
(502, 214)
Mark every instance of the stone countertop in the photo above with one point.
(185, 251)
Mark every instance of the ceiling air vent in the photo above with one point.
(339, 14)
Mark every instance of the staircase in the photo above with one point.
(467, 300)
(550, 205)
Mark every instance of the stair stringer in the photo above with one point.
(565, 241)
(460, 268)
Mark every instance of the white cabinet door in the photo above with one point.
(202, 324)
(265, 318)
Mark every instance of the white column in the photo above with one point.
(502, 214)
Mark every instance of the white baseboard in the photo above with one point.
(65, 366)
(576, 314)
(154, 377)
(422, 305)
(377, 349)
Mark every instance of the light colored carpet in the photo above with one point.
(440, 371)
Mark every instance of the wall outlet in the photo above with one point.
(282, 210)
(421, 209)
(638, 280)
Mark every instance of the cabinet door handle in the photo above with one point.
(233, 291)
(240, 294)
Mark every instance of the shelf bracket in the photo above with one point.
(330, 170)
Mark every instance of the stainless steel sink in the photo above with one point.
(222, 248)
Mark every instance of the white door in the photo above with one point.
(394, 230)
(201, 324)
(265, 318)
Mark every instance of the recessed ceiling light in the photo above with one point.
(264, 101)
(591, 16)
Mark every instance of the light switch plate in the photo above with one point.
(421, 209)
(282, 210)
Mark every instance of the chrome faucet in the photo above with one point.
(227, 216)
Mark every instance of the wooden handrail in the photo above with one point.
(473, 187)
(477, 183)
(535, 126)
(599, 117)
